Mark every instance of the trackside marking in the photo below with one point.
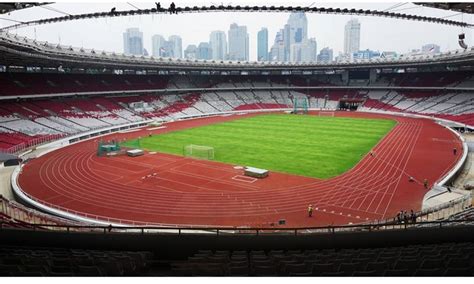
(244, 179)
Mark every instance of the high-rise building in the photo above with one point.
(176, 46)
(304, 51)
(352, 37)
(277, 51)
(204, 51)
(218, 43)
(298, 27)
(133, 41)
(158, 44)
(238, 43)
(308, 50)
(262, 45)
(325, 55)
(292, 36)
(430, 48)
(167, 48)
(295, 32)
(190, 52)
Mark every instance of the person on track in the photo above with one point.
(310, 210)
(425, 183)
(455, 151)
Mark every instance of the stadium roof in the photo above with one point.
(8, 7)
(464, 7)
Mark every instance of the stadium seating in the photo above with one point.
(33, 261)
(414, 260)
(444, 259)
(16, 84)
(66, 116)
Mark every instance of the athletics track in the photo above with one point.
(162, 189)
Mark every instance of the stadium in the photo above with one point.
(234, 168)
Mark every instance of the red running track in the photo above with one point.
(184, 191)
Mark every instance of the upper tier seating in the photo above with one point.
(17, 84)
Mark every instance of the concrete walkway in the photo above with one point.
(5, 184)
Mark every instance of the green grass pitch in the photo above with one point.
(307, 145)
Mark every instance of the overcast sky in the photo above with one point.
(376, 33)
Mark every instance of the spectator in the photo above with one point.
(413, 216)
(172, 8)
(405, 217)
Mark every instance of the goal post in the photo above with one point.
(300, 104)
(199, 152)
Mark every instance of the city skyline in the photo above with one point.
(379, 33)
(290, 45)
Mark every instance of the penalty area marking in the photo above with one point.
(244, 179)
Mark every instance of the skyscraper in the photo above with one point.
(277, 51)
(308, 50)
(158, 46)
(133, 41)
(325, 55)
(176, 46)
(167, 48)
(298, 27)
(352, 37)
(218, 43)
(204, 51)
(262, 45)
(296, 31)
(238, 43)
(190, 52)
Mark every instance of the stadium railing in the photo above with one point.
(219, 231)
(31, 144)
(13, 212)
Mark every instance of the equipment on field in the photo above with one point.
(254, 172)
(107, 148)
(135, 153)
(199, 152)
(300, 104)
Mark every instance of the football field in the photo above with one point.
(307, 145)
